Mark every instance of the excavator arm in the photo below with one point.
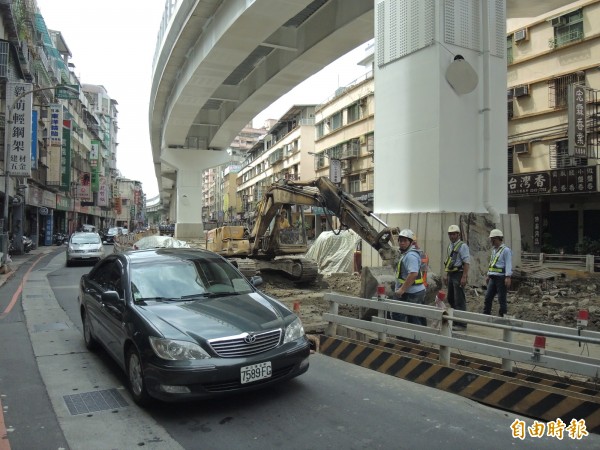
(320, 192)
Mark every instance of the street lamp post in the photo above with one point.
(7, 134)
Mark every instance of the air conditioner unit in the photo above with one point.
(521, 148)
(521, 91)
(558, 21)
(510, 93)
(521, 35)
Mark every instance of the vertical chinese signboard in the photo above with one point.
(18, 111)
(65, 159)
(102, 191)
(577, 126)
(94, 157)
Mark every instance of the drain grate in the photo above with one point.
(94, 401)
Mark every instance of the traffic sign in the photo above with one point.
(67, 91)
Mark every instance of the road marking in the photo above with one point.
(4, 444)
(17, 294)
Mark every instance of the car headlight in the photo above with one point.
(173, 350)
(293, 331)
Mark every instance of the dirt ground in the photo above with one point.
(555, 302)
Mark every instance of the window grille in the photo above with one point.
(336, 121)
(509, 49)
(567, 28)
(353, 113)
(4, 51)
(558, 89)
(510, 160)
(559, 156)
(354, 184)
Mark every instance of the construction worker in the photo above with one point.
(409, 277)
(456, 268)
(499, 273)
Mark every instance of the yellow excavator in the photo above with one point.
(279, 235)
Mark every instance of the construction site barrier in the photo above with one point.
(507, 350)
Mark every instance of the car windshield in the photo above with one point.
(112, 231)
(85, 239)
(185, 280)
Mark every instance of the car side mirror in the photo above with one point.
(111, 297)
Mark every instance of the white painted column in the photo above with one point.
(433, 152)
(186, 206)
(441, 124)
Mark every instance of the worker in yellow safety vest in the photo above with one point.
(499, 273)
(409, 277)
(456, 268)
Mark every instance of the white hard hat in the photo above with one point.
(453, 229)
(407, 234)
(496, 233)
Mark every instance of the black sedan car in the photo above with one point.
(185, 323)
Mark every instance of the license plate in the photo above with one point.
(255, 372)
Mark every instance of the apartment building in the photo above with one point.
(283, 154)
(344, 138)
(553, 127)
(62, 176)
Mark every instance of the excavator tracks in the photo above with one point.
(299, 270)
(248, 267)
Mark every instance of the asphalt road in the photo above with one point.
(334, 405)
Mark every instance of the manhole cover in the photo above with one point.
(94, 401)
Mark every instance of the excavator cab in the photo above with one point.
(286, 233)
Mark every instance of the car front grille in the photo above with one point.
(246, 344)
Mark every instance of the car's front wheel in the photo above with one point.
(88, 335)
(135, 376)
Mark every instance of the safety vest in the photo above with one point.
(449, 264)
(420, 278)
(494, 260)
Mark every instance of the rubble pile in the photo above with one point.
(555, 302)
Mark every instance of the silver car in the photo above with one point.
(84, 246)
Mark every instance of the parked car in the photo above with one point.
(84, 246)
(88, 228)
(185, 323)
(111, 233)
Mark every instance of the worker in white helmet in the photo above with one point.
(499, 273)
(409, 277)
(456, 268)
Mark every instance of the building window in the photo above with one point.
(353, 113)
(510, 160)
(336, 121)
(4, 49)
(558, 89)
(567, 28)
(559, 156)
(509, 49)
(320, 129)
(354, 184)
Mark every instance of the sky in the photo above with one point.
(112, 44)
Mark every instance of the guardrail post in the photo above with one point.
(589, 263)
(445, 330)
(507, 336)
(382, 336)
(331, 326)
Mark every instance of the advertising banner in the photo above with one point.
(19, 112)
(65, 159)
(102, 191)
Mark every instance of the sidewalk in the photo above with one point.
(18, 260)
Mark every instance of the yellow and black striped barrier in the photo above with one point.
(538, 395)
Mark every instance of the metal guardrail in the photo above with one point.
(588, 263)
(506, 350)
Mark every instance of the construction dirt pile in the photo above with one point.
(555, 302)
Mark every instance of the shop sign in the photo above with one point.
(573, 180)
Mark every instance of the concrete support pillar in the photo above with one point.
(441, 125)
(186, 203)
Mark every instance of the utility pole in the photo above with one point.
(7, 134)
